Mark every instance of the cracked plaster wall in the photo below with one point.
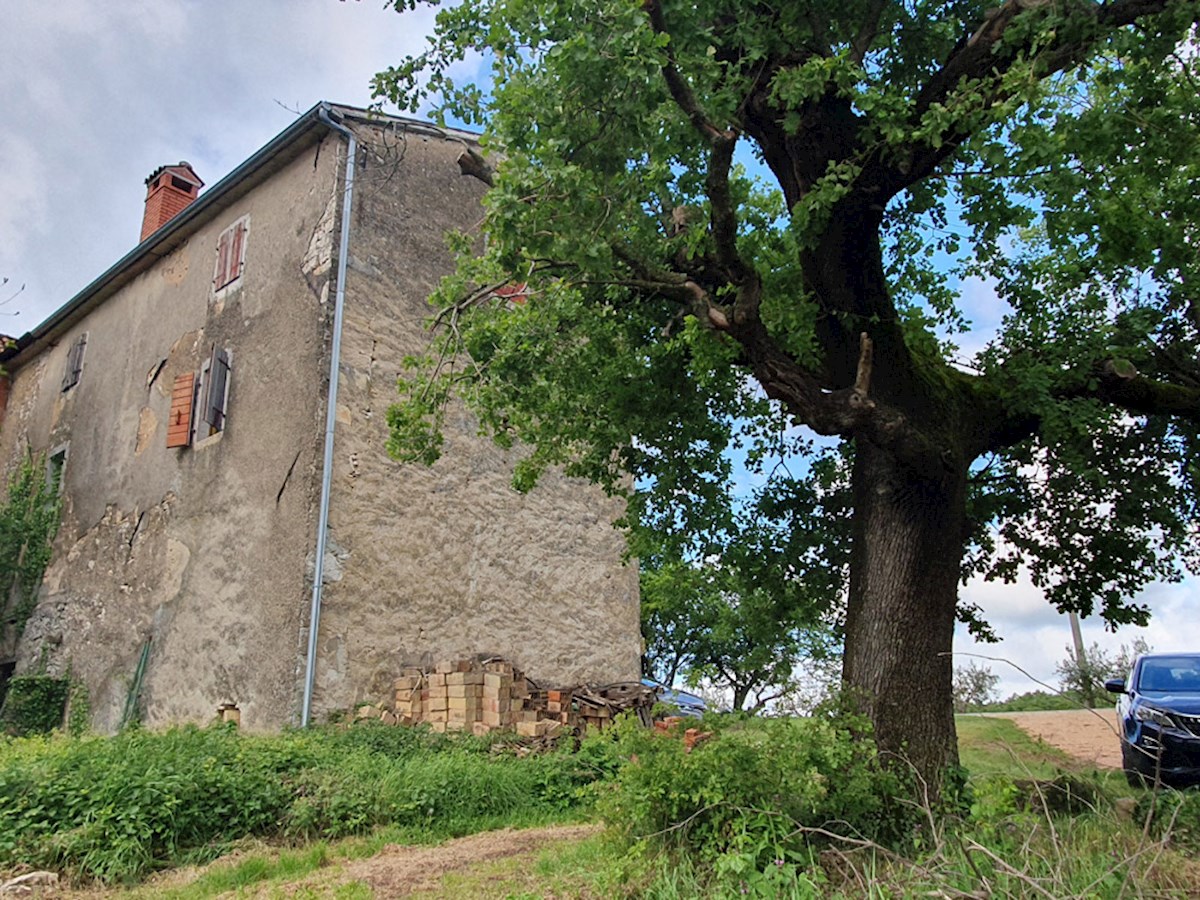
(201, 550)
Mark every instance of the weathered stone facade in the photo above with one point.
(207, 551)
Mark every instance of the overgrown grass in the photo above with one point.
(114, 809)
(1033, 823)
(782, 808)
(989, 746)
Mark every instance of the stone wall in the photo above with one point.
(449, 561)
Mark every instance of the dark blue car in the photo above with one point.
(686, 704)
(1159, 714)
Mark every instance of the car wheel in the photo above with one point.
(1136, 763)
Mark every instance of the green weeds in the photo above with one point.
(114, 809)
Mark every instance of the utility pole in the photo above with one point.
(1085, 678)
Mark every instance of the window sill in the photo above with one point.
(210, 441)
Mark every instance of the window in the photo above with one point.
(213, 395)
(231, 254)
(56, 464)
(74, 363)
(198, 404)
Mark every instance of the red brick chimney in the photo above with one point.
(169, 190)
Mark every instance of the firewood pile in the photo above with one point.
(491, 694)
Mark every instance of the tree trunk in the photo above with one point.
(904, 574)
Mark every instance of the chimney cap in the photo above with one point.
(182, 169)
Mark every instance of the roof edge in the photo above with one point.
(179, 228)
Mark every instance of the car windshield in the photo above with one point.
(1170, 675)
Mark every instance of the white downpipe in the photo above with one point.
(335, 353)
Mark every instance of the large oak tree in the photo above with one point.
(730, 218)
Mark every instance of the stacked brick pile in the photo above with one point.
(481, 696)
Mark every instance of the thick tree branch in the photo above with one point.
(867, 31)
(681, 91)
(1117, 382)
(849, 412)
(1112, 381)
(471, 162)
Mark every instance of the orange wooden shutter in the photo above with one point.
(179, 425)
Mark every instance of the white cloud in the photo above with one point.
(1035, 636)
(97, 95)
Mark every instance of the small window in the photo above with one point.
(56, 465)
(74, 363)
(213, 394)
(231, 254)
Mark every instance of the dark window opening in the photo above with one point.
(181, 184)
(6, 674)
(56, 465)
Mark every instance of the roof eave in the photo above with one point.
(280, 150)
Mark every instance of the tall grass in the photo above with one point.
(115, 808)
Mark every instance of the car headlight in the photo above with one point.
(1151, 714)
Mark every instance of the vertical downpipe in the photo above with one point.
(335, 352)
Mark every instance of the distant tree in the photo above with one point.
(974, 686)
(1086, 678)
(744, 602)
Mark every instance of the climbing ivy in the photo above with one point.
(29, 518)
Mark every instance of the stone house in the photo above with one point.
(219, 488)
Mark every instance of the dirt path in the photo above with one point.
(398, 871)
(1089, 735)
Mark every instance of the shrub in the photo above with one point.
(34, 704)
(1172, 814)
(754, 794)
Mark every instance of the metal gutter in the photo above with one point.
(335, 352)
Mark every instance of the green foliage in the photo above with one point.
(29, 519)
(34, 704)
(79, 708)
(1172, 815)
(710, 203)
(116, 808)
(743, 602)
(753, 793)
(1034, 701)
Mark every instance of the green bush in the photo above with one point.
(115, 808)
(1036, 701)
(1174, 815)
(34, 704)
(756, 794)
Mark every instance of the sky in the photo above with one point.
(96, 95)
